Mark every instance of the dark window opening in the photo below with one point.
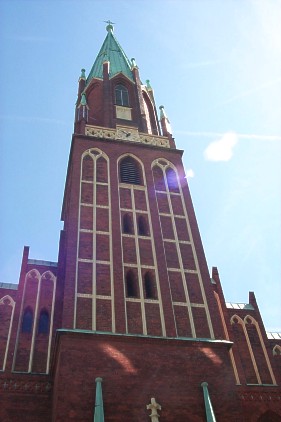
(142, 226)
(127, 224)
(149, 287)
(131, 285)
(43, 326)
(121, 96)
(27, 321)
(129, 171)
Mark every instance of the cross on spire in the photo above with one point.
(109, 22)
(109, 26)
(153, 406)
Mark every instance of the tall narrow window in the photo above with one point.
(129, 171)
(121, 96)
(27, 321)
(172, 180)
(149, 287)
(43, 325)
(142, 226)
(127, 224)
(131, 288)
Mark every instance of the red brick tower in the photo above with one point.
(135, 270)
(134, 259)
(129, 313)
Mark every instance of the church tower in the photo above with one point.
(134, 258)
(128, 325)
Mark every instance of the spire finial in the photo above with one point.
(83, 76)
(109, 26)
(162, 112)
(133, 61)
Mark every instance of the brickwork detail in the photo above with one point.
(139, 258)
(33, 349)
(94, 304)
(184, 273)
(260, 396)
(256, 357)
(23, 386)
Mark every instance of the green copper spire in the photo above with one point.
(210, 416)
(99, 414)
(111, 51)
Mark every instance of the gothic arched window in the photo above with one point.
(127, 224)
(121, 95)
(43, 325)
(129, 171)
(27, 321)
(131, 287)
(149, 287)
(142, 226)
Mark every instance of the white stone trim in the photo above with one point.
(127, 134)
(138, 266)
(177, 242)
(95, 154)
(11, 303)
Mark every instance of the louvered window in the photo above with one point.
(121, 96)
(129, 171)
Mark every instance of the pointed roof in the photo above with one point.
(112, 52)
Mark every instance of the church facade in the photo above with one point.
(128, 324)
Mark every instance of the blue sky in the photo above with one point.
(216, 67)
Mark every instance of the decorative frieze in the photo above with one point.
(127, 134)
(260, 396)
(24, 386)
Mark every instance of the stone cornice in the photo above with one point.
(126, 133)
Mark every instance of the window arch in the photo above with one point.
(142, 226)
(129, 171)
(43, 325)
(131, 287)
(121, 95)
(127, 224)
(27, 321)
(149, 287)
